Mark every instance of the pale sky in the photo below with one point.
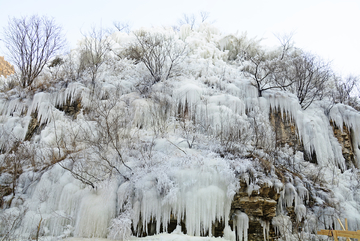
(329, 28)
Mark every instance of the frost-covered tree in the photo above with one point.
(31, 43)
(238, 47)
(94, 50)
(344, 90)
(311, 75)
(159, 52)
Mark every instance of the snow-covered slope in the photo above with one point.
(133, 160)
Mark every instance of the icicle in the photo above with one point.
(202, 199)
(96, 211)
(300, 211)
(185, 31)
(313, 127)
(266, 228)
(241, 222)
(188, 93)
(229, 234)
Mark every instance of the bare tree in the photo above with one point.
(344, 89)
(286, 43)
(269, 69)
(32, 42)
(311, 76)
(161, 54)
(266, 70)
(94, 50)
(94, 149)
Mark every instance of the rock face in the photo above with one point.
(260, 206)
(4, 191)
(344, 138)
(34, 127)
(5, 67)
(71, 108)
(286, 133)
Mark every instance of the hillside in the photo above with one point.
(192, 133)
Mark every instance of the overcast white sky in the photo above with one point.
(330, 28)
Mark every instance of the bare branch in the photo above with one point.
(188, 19)
(122, 26)
(204, 16)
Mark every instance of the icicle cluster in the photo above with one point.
(241, 222)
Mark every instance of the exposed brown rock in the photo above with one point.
(286, 133)
(344, 138)
(260, 207)
(33, 127)
(71, 108)
(4, 191)
(6, 68)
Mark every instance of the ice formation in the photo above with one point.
(283, 226)
(200, 200)
(242, 225)
(200, 194)
(183, 147)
